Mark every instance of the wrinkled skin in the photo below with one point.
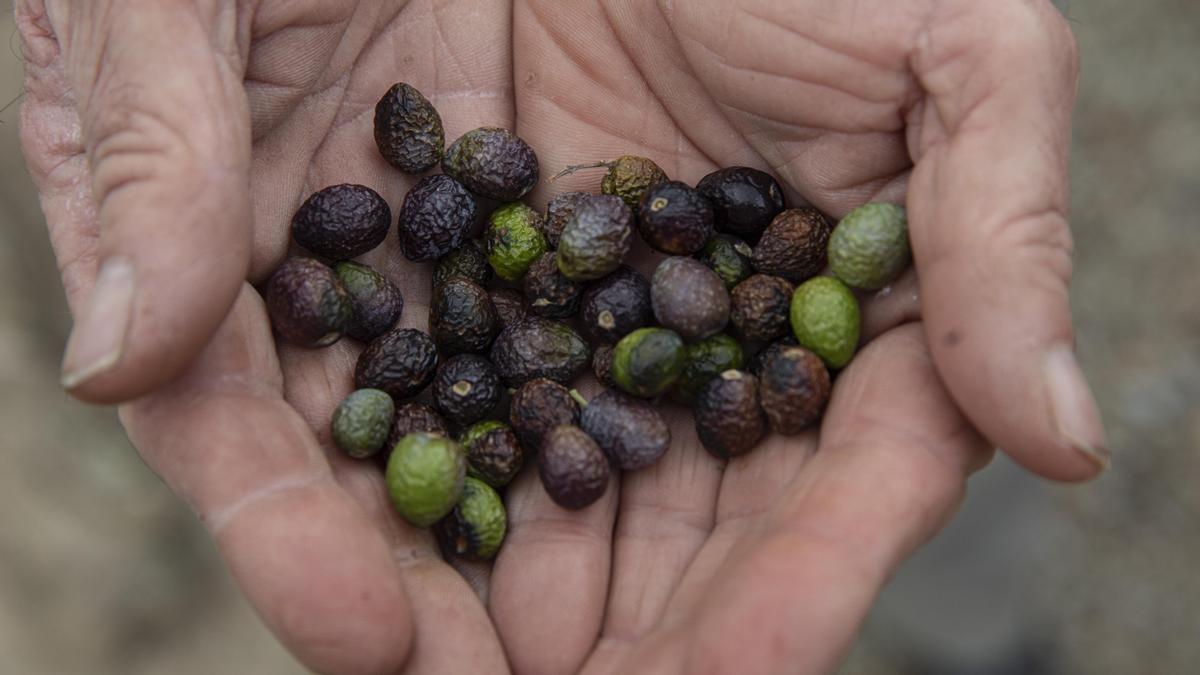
(573, 469)
(760, 306)
(307, 303)
(144, 121)
(729, 418)
(536, 347)
(537, 407)
(462, 317)
(466, 388)
(468, 261)
(435, 217)
(408, 130)
(413, 417)
(342, 221)
(510, 305)
(376, 302)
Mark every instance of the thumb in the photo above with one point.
(164, 128)
(988, 201)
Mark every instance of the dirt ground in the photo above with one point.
(103, 571)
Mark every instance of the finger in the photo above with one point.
(750, 488)
(439, 595)
(753, 483)
(666, 514)
(163, 234)
(550, 580)
(891, 468)
(334, 144)
(566, 88)
(453, 631)
(551, 553)
(988, 206)
(304, 552)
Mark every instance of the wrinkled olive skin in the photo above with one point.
(401, 362)
(510, 306)
(538, 406)
(755, 363)
(729, 257)
(376, 303)
(536, 347)
(794, 388)
(360, 424)
(307, 304)
(689, 298)
(466, 388)
(705, 360)
(631, 433)
(760, 308)
(513, 240)
(411, 418)
(494, 455)
(869, 247)
(674, 218)
(467, 261)
(629, 176)
(548, 293)
(476, 526)
(616, 305)
(793, 245)
(425, 476)
(602, 361)
(596, 238)
(558, 211)
(729, 420)
(826, 318)
(573, 469)
(493, 163)
(342, 221)
(436, 217)
(648, 361)
(462, 318)
(408, 130)
(744, 200)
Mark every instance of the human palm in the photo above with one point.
(146, 122)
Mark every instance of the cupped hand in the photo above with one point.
(172, 140)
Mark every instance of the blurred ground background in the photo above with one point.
(102, 571)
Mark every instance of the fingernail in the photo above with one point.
(1073, 407)
(99, 335)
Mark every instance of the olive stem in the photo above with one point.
(511, 391)
(577, 167)
(579, 398)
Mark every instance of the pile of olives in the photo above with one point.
(735, 321)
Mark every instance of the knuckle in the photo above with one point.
(32, 18)
(1031, 249)
(1041, 243)
(51, 140)
(130, 142)
(39, 45)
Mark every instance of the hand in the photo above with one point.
(145, 122)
